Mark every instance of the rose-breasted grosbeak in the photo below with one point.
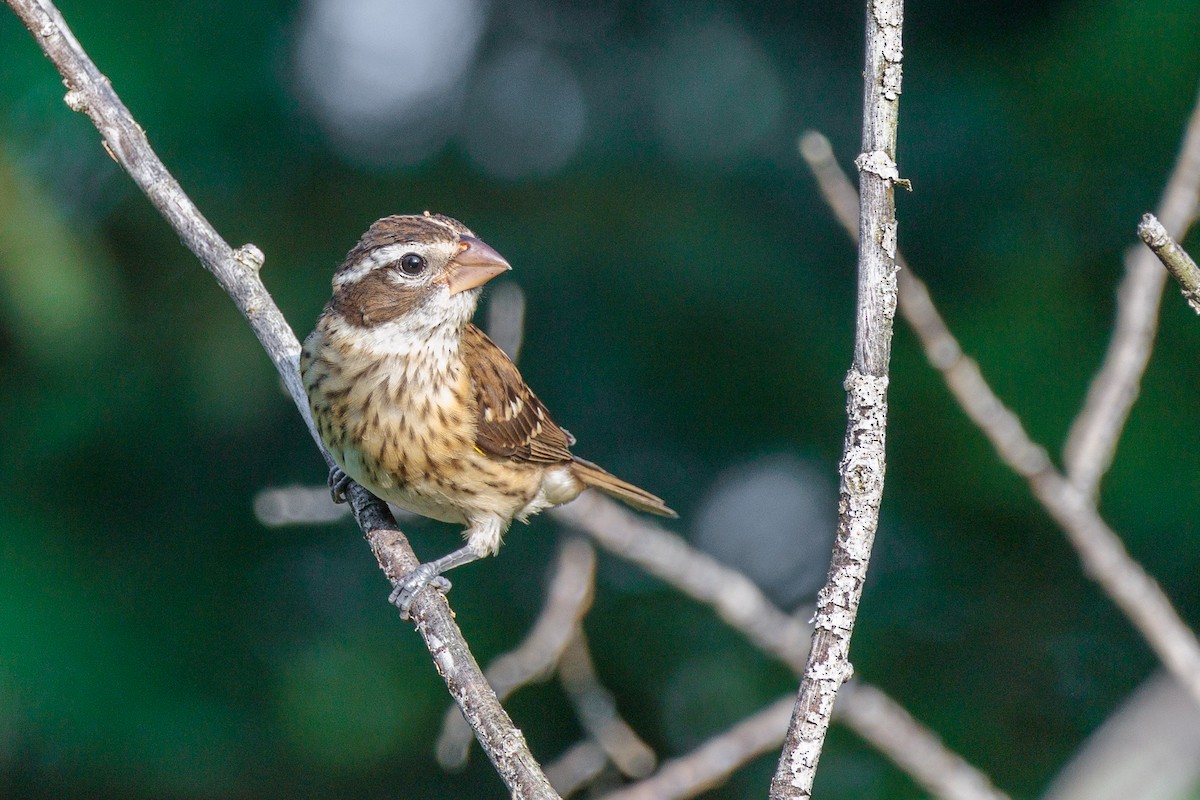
(420, 407)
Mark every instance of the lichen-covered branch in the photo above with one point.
(237, 271)
(863, 459)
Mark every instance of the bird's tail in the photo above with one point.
(591, 475)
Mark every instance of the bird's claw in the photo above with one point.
(339, 482)
(402, 596)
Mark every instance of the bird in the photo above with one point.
(417, 405)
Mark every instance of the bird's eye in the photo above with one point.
(412, 264)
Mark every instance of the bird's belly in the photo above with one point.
(441, 475)
(412, 443)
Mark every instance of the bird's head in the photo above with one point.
(422, 270)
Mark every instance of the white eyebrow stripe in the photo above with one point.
(372, 260)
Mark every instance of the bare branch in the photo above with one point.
(598, 714)
(867, 710)
(1173, 257)
(713, 762)
(863, 459)
(884, 723)
(1093, 437)
(557, 639)
(567, 601)
(740, 603)
(1104, 557)
(88, 91)
(836, 190)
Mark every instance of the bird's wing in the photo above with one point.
(513, 423)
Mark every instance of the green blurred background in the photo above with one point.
(690, 313)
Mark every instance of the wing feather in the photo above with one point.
(513, 422)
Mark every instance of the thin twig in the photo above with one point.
(567, 601)
(1100, 550)
(713, 762)
(863, 460)
(89, 92)
(597, 712)
(1173, 257)
(1092, 440)
(742, 605)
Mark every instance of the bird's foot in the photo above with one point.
(402, 596)
(339, 482)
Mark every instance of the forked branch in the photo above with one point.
(1100, 550)
(1096, 430)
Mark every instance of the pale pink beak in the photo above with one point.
(475, 265)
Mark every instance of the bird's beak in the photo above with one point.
(475, 265)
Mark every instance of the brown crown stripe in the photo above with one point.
(400, 229)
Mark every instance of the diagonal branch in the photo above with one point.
(579, 766)
(866, 709)
(1092, 440)
(236, 271)
(1101, 551)
(869, 711)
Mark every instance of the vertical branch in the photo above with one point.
(863, 462)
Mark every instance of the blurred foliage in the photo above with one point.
(689, 312)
